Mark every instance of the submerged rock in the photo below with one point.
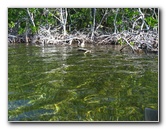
(151, 114)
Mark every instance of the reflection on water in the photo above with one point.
(61, 84)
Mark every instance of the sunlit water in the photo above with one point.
(61, 84)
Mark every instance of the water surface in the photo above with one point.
(50, 83)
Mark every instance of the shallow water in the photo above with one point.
(50, 83)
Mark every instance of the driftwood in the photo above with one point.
(84, 50)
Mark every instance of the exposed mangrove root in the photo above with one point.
(135, 39)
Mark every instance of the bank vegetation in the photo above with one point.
(136, 28)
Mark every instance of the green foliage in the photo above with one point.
(151, 21)
(21, 31)
(120, 41)
(11, 24)
(132, 43)
(33, 29)
(79, 18)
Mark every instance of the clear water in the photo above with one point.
(61, 84)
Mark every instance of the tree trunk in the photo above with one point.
(63, 17)
(93, 26)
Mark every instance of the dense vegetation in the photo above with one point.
(136, 27)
